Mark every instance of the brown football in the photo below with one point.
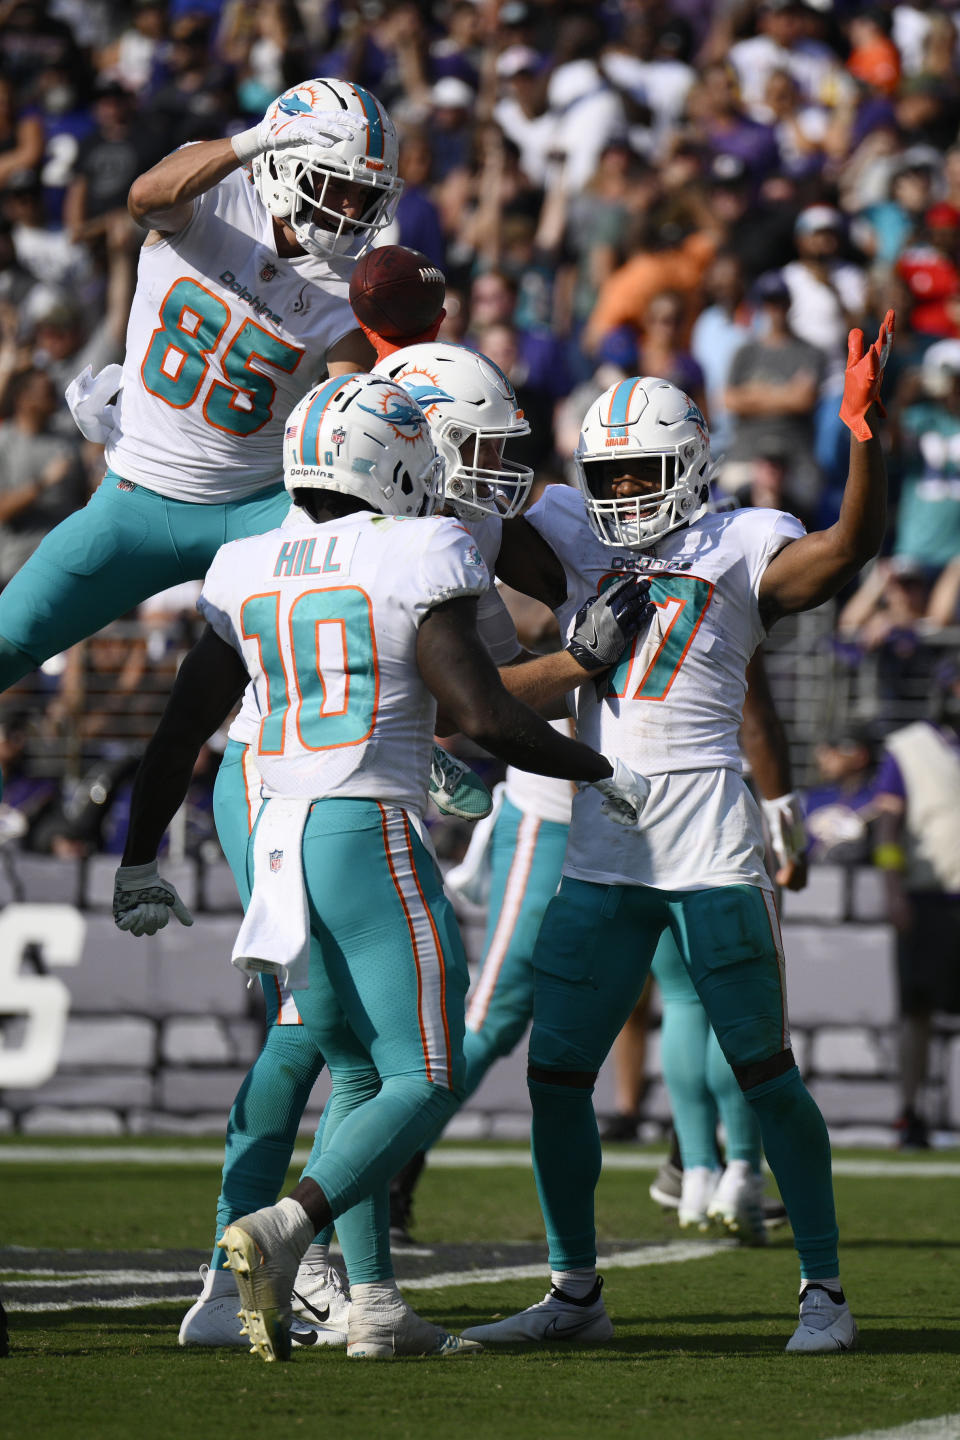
(396, 292)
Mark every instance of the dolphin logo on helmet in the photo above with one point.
(330, 445)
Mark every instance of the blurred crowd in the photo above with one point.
(710, 191)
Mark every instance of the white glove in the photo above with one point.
(320, 128)
(88, 400)
(143, 900)
(788, 835)
(624, 794)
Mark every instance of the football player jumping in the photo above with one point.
(240, 304)
(695, 864)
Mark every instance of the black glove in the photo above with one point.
(605, 626)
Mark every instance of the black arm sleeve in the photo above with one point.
(208, 685)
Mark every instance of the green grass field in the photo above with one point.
(698, 1350)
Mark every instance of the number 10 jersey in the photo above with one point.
(325, 618)
(224, 338)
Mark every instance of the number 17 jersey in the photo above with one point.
(673, 706)
(224, 337)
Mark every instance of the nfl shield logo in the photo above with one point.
(268, 272)
(276, 860)
(338, 436)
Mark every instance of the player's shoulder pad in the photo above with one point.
(558, 500)
(755, 523)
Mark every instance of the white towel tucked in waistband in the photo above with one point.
(274, 938)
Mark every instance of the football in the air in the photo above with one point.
(396, 291)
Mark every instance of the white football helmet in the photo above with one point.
(650, 419)
(293, 183)
(362, 435)
(468, 401)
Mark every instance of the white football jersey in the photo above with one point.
(674, 704)
(495, 627)
(224, 337)
(325, 618)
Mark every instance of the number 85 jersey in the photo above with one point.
(675, 701)
(224, 337)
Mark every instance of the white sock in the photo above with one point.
(575, 1283)
(832, 1283)
(217, 1283)
(296, 1227)
(317, 1257)
(739, 1169)
(377, 1295)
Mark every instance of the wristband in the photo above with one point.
(247, 144)
(136, 874)
(890, 856)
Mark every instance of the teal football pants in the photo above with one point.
(265, 1116)
(591, 961)
(526, 861)
(696, 1072)
(126, 544)
(385, 999)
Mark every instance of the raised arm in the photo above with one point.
(809, 571)
(161, 199)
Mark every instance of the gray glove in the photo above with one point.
(143, 901)
(624, 794)
(605, 626)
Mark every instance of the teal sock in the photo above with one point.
(364, 1229)
(324, 1236)
(566, 1166)
(376, 1137)
(262, 1127)
(797, 1147)
(740, 1125)
(683, 1046)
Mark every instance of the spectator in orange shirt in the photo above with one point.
(874, 60)
(661, 263)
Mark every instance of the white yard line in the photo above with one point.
(445, 1157)
(941, 1427)
(671, 1254)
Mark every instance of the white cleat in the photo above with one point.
(319, 1296)
(826, 1325)
(214, 1319)
(384, 1333)
(737, 1204)
(699, 1184)
(556, 1317)
(263, 1252)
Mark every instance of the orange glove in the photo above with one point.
(386, 347)
(861, 379)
